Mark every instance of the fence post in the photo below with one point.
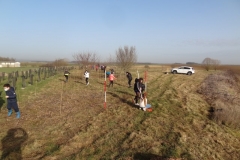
(3, 75)
(105, 91)
(23, 81)
(39, 75)
(61, 100)
(31, 79)
(14, 79)
(26, 76)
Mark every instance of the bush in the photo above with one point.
(221, 91)
(227, 114)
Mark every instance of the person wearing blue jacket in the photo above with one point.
(11, 100)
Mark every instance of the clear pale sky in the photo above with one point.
(163, 31)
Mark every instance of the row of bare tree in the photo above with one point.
(209, 63)
(125, 58)
(6, 59)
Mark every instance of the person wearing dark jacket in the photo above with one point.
(66, 73)
(129, 77)
(139, 88)
(11, 100)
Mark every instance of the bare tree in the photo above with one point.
(215, 64)
(85, 58)
(126, 57)
(206, 63)
(110, 60)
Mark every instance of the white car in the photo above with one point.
(183, 70)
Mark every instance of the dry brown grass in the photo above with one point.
(178, 127)
(234, 68)
(222, 90)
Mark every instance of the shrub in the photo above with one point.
(225, 113)
(222, 93)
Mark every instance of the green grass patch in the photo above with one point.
(14, 69)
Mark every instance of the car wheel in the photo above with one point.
(189, 73)
(174, 72)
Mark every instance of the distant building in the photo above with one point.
(10, 64)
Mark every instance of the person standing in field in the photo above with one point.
(86, 75)
(96, 66)
(66, 74)
(11, 100)
(129, 77)
(111, 79)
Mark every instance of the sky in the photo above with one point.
(162, 31)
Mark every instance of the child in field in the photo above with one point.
(129, 77)
(11, 100)
(66, 73)
(108, 73)
(143, 103)
(86, 75)
(111, 78)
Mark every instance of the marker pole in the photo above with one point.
(105, 94)
(145, 76)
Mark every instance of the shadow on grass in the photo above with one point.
(1, 101)
(126, 93)
(62, 80)
(12, 142)
(102, 83)
(148, 156)
(124, 100)
(79, 82)
(119, 84)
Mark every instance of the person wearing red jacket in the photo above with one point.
(111, 79)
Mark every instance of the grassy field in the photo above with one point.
(14, 69)
(67, 121)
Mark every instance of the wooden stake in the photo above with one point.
(61, 99)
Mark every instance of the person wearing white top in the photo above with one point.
(86, 75)
(143, 103)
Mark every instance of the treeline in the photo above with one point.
(6, 59)
(56, 63)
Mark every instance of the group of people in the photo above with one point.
(86, 75)
(140, 96)
(139, 89)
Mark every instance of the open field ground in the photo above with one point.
(13, 69)
(67, 121)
